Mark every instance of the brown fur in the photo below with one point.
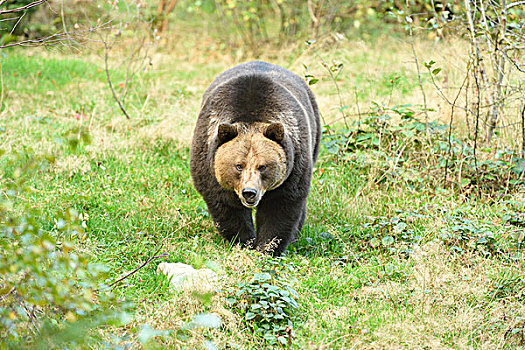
(239, 162)
(256, 114)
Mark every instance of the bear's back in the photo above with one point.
(258, 91)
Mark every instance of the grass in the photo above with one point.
(131, 181)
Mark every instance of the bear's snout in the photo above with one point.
(250, 195)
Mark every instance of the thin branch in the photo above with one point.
(334, 79)
(513, 4)
(106, 67)
(9, 19)
(17, 22)
(478, 102)
(450, 127)
(31, 316)
(64, 20)
(131, 60)
(28, 6)
(135, 270)
(516, 64)
(55, 38)
(8, 293)
(523, 130)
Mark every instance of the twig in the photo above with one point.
(64, 20)
(512, 4)
(55, 38)
(516, 64)
(523, 130)
(450, 127)
(399, 152)
(138, 268)
(17, 22)
(131, 73)
(326, 346)
(1, 87)
(106, 53)
(334, 79)
(31, 316)
(28, 6)
(8, 293)
(478, 102)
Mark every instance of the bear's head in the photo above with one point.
(250, 162)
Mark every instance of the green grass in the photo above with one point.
(37, 74)
(134, 185)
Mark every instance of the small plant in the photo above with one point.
(266, 302)
(465, 234)
(389, 234)
(508, 285)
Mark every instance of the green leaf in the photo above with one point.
(313, 81)
(260, 277)
(429, 64)
(231, 301)
(282, 340)
(387, 240)
(436, 71)
(250, 316)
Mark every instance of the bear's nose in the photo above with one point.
(249, 194)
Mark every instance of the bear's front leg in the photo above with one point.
(280, 222)
(233, 223)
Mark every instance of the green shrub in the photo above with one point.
(266, 302)
(51, 294)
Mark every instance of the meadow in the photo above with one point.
(389, 258)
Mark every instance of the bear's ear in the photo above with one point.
(275, 132)
(225, 133)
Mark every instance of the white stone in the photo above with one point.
(186, 277)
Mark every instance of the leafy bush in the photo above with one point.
(509, 284)
(390, 234)
(266, 302)
(395, 146)
(249, 25)
(464, 233)
(50, 294)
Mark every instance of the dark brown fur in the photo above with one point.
(258, 128)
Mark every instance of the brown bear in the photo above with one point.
(254, 146)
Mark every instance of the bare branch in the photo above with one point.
(106, 67)
(57, 37)
(64, 20)
(9, 19)
(28, 6)
(17, 22)
(135, 270)
(450, 127)
(516, 64)
(8, 293)
(523, 129)
(514, 4)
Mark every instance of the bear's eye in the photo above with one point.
(239, 167)
(262, 168)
